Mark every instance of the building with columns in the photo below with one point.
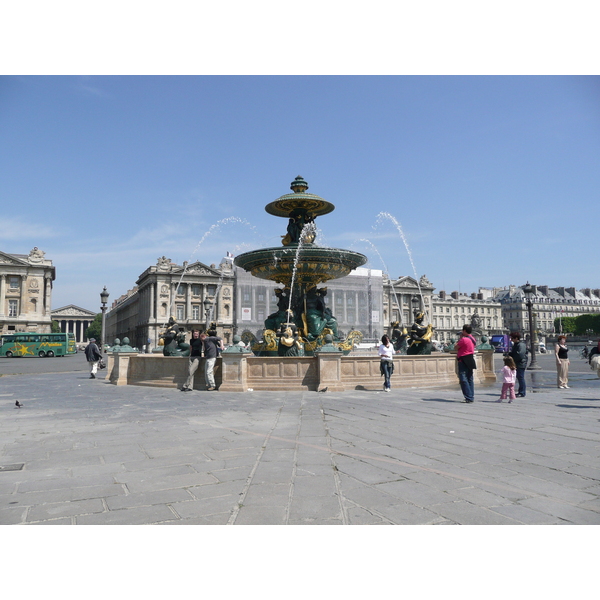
(74, 319)
(479, 309)
(26, 292)
(169, 290)
(402, 296)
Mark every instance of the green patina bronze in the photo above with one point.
(314, 265)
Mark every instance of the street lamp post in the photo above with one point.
(207, 308)
(528, 290)
(104, 300)
(415, 304)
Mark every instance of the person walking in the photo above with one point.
(509, 375)
(465, 355)
(562, 362)
(386, 353)
(212, 345)
(93, 356)
(518, 353)
(196, 346)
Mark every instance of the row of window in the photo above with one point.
(462, 309)
(196, 289)
(447, 322)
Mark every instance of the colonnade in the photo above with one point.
(76, 326)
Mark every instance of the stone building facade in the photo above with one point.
(402, 296)
(167, 289)
(26, 292)
(451, 311)
(74, 319)
(548, 304)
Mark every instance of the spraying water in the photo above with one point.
(304, 234)
(387, 271)
(215, 227)
(380, 218)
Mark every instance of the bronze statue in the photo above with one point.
(420, 336)
(289, 344)
(317, 315)
(174, 340)
(274, 320)
(398, 338)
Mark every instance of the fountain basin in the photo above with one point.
(239, 372)
(316, 265)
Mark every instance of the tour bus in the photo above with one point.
(38, 344)
(501, 343)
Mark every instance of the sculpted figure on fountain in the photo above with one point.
(420, 336)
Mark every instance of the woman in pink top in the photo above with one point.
(465, 351)
(509, 375)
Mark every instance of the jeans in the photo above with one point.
(386, 366)
(521, 381)
(465, 376)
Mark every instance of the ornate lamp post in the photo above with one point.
(528, 290)
(207, 308)
(415, 304)
(104, 300)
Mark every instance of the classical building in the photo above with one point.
(26, 292)
(451, 311)
(192, 294)
(402, 296)
(548, 304)
(74, 319)
(356, 301)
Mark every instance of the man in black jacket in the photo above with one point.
(518, 353)
(92, 353)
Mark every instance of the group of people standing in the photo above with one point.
(209, 345)
(513, 372)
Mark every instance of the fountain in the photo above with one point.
(301, 349)
(301, 265)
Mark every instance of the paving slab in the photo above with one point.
(94, 453)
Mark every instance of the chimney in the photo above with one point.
(571, 291)
(543, 289)
(479, 296)
(454, 295)
(442, 295)
(473, 296)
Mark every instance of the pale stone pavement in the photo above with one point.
(94, 453)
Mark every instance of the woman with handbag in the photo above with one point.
(465, 355)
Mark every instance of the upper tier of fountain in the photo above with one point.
(313, 264)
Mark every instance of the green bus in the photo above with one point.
(38, 344)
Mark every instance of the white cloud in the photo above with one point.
(15, 228)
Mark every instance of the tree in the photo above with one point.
(585, 322)
(95, 329)
(55, 327)
(568, 324)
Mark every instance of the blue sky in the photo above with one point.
(494, 179)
